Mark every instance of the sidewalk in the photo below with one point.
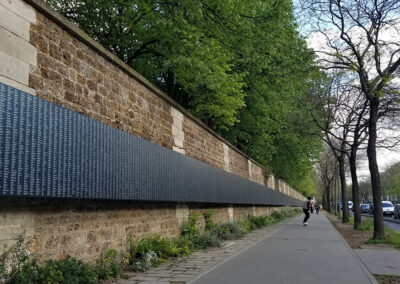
(283, 253)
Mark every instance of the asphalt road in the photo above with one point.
(389, 222)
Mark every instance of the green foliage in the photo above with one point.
(209, 223)
(146, 261)
(49, 273)
(111, 264)
(190, 229)
(277, 216)
(240, 66)
(247, 225)
(162, 247)
(194, 239)
(366, 225)
(13, 259)
(235, 230)
(288, 211)
(391, 181)
(181, 47)
(183, 245)
(28, 273)
(153, 250)
(230, 231)
(17, 267)
(259, 221)
(392, 238)
(206, 240)
(67, 271)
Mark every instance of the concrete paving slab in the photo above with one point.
(381, 261)
(294, 254)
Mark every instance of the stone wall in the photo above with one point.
(45, 55)
(83, 228)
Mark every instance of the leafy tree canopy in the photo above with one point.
(240, 66)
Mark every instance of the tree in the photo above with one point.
(240, 66)
(357, 36)
(327, 172)
(391, 182)
(178, 45)
(331, 110)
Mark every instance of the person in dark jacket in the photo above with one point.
(306, 210)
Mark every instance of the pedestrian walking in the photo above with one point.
(306, 210)
(317, 207)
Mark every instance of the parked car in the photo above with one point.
(388, 208)
(350, 204)
(364, 208)
(396, 212)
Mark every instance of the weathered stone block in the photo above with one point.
(17, 47)
(14, 69)
(17, 85)
(21, 9)
(15, 24)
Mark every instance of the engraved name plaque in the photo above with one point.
(52, 152)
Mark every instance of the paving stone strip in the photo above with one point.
(184, 269)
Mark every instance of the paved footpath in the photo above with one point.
(283, 253)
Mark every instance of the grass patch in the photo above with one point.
(387, 279)
(366, 225)
(351, 221)
(392, 238)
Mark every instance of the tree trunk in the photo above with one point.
(343, 188)
(327, 196)
(354, 188)
(334, 196)
(379, 231)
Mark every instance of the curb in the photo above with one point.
(389, 220)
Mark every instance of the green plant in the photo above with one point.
(288, 211)
(209, 223)
(141, 253)
(229, 231)
(67, 271)
(50, 273)
(258, 221)
(277, 216)
(145, 262)
(109, 265)
(14, 258)
(183, 245)
(28, 273)
(190, 229)
(163, 247)
(351, 220)
(392, 238)
(366, 225)
(205, 240)
(247, 225)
